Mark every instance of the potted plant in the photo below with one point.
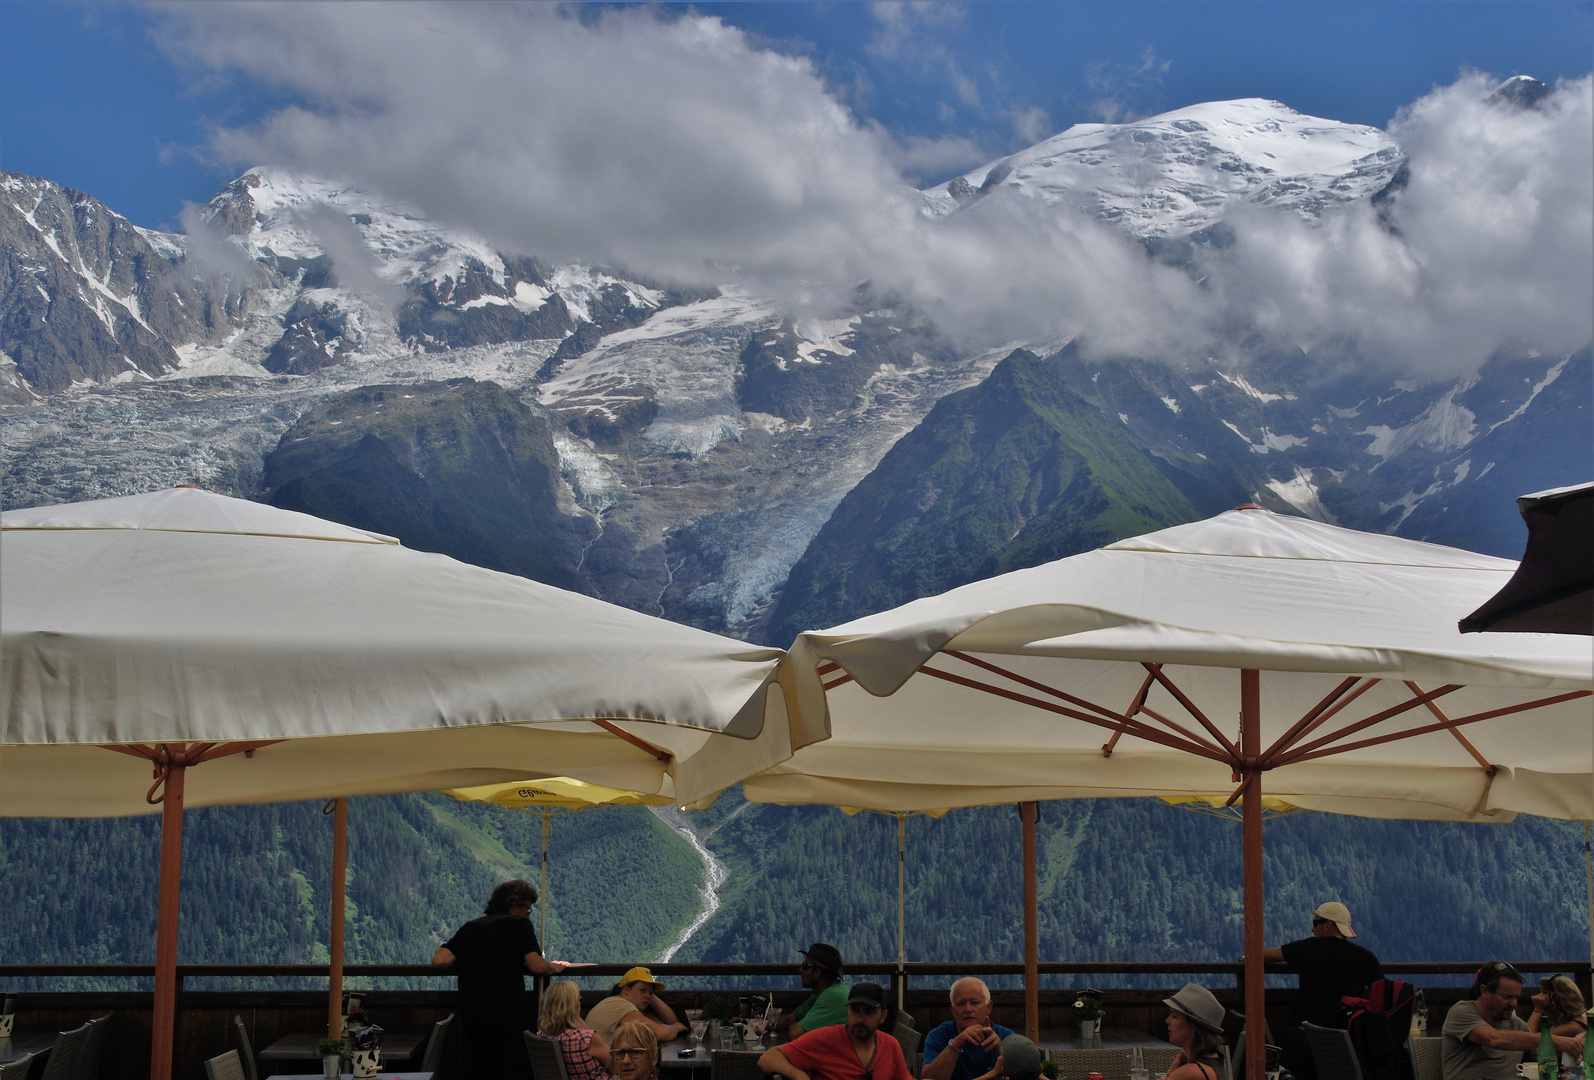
(1088, 1009)
(331, 1051)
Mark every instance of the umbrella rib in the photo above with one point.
(1134, 708)
(1190, 707)
(640, 744)
(1488, 766)
(1061, 695)
(1128, 724)
(1319, 715)
(1144, 731)
(1309, 754)
(1361, 725)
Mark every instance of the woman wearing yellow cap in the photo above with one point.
(635, 998)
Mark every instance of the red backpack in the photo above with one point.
(1379, 1025)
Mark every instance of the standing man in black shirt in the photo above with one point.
(491, 956)
(1330, 968)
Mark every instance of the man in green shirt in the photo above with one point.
(826, 1003)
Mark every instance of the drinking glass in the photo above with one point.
(759, 1026)
(699, 1027)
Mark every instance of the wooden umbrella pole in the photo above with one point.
(340, 865)
(902, 881)
(1251, 807)
(165, 1011)
(1028, 812)
(1588, 868)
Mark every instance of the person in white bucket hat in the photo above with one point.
(1330, 968)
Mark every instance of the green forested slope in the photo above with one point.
(1008, 474)
(256, 882)
(1134, 879)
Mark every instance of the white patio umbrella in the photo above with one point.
(1192, 661)
(297, 659)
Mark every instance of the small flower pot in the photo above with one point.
(329, 1065)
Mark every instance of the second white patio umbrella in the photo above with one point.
(1194, 661)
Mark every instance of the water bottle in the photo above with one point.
(1549, 1058)
(1137, 1065)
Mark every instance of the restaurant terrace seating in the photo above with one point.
(547, 1060)
(18, 1069)
(224, 1067)
(737, 1065)
(76, 1054)
(1426, 1062)
(1333, 1052)
(433, 1061)
(246, 1050)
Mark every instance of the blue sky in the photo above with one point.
(89, 99)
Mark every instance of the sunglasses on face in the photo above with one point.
(628, 1052)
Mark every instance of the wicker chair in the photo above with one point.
(547, 1058)
(433, 1061)
(226, 1066)
(70, 1048)
(910, 1039)
(737, 1065)
(1159, 1059)
(246, 1050)
(18, 1069)
(1333, 1052)
(1427, 1060)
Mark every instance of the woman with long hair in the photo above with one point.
(635, 1053)
(1195, 1026)
(559, 1019)
(1561, 1003)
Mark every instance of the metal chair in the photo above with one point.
(1333, 1052)
(1427, 1057)
(737, 1065)
(18, 1069)
(1237, 1052)
(547, 1057)
(433, 1060)
(224, 1067)
(246, 1049)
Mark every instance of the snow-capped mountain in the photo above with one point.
(1182, 171)
(702, 440)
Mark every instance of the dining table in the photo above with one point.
(679, 1055)
(300, 1046)
(19, 1044)
(380, 1074)
(1113, 1038)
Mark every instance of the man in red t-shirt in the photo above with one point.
(855, 1050)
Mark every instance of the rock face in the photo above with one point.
(1014, 472)
(87, 296)
(461, 468)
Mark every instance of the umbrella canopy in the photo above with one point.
(1112, 673)
(252, 654)
(1553, 590)
(356, 665)
(1195, 661)
(546, 798)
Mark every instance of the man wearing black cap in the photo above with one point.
(855, 1050)
(826, 1003)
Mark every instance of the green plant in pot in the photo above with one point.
(331, 1051)
(1088, 1009)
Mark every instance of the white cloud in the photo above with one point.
(674, 144)
(1489, 246)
